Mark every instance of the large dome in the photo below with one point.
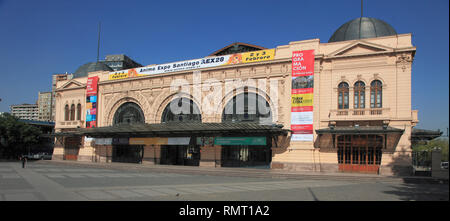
(84, 69)
(360, 28)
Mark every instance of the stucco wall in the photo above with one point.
(387, 59)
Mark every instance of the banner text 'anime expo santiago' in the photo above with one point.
(247, 57)
(302, 95)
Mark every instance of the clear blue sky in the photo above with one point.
(40, 38)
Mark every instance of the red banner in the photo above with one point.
(302, 63)
(302, 109)
(303, 91)
(302, 95)
(91, 86)
(91, 102)
(302, 127)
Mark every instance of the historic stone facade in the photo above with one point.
(385, 59)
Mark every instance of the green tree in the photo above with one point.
(16, 136)
(441, 143)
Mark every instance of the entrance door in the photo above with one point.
(359, 153)
(71, 148)
(188, 155)
(258, 156)
(127, 153)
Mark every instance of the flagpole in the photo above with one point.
(98, 44)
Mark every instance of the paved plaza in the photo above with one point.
(50, 181)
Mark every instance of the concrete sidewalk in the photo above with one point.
(247, 172)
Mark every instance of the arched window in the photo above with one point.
(66, 113)
(181, 110)
(360, 95)
(79, 112)
(343, 96)
(247, 107)
(72, 112)
(129, 113)
(376, 94)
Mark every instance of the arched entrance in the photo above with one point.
(247, 107)
(127, 113)
(181, 110)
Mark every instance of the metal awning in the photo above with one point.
(360, 130)
(179, 129)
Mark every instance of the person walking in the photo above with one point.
(24, 161)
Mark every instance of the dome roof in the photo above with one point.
(84, 69)
(360, 28)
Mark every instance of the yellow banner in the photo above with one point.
(123, 74)
(300, 100)
(148, 140)
(254, 56)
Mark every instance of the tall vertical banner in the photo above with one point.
(302, 95)
(91, 102)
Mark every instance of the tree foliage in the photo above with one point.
(16, 136)
(441, 143)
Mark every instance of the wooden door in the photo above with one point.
(359, 153)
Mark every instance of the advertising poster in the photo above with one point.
(91, 102)
(247, 57)
(91, 86)
(302, 95)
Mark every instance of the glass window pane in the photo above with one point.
(346, 100)
(379, 99)
(362, 99)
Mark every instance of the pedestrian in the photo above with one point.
(24, 161)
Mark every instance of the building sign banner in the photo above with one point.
(205, 141)
(103, 141)
(302, 95)
(91, 86)
(148, 140)
(240, 141)
(91, 102)
(247, 57)
(120, 141)
(178, 140)
(160, 140)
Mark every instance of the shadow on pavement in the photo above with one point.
(421, 192)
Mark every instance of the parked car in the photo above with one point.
(39, 156)
(444, 165)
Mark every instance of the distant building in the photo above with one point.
(45, 106)
(423, 136)
(120, 62)
(237, 47)
(25, 111)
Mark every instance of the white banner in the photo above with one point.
(178, 140)
(213, 61)
(171, 67)
(302, 137)
(302, 117)
(103, 141)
